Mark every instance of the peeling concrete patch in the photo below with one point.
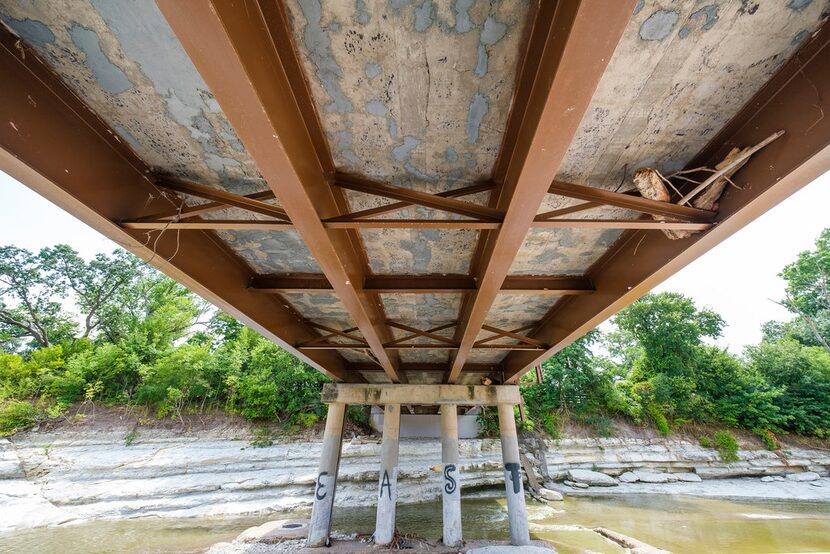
(799, 38)
(423, 16)
(799, 5)
(376, 108)
(362, 15)
(408, 251)
(272, 252)
(462, 16)
(403, 152)
(709, 14)
(659, 25)
(481, 62)
(318, 45)
(372, 70)
(108, 75)
(33, 32)
(492, 32)
(478, 109)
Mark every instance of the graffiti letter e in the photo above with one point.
(320, 486)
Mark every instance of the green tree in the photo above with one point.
(30, 308)
(572, 381)
(802, 375)
(808, 289)
(95, 285)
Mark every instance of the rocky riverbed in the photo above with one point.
(62, 476)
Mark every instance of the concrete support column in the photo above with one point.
(320, 526)
(516, 510)
(451, 493)
(388, 480)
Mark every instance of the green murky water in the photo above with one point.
(679, 524)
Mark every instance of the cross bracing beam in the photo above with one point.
(444, 203)
(439, 342)
(794, 100)
(422, 284)
(390, 346)
(54, 144)
(184, 212)
(216, 195)
(426, 368)
(395, 206)
(243, 51)
(571, 44)
(646, 224)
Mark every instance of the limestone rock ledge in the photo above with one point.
(53, 478)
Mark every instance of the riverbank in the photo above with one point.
(73, 474)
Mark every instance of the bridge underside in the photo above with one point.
(419, 192)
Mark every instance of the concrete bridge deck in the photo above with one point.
(416, 192)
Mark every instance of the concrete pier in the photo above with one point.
(516, 509)
(388, 479)
(320, 526)
(451, 489)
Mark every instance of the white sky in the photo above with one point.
(737, 279)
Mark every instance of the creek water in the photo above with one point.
(677, 523)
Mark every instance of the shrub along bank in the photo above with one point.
(147, 341)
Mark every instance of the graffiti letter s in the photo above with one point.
(449, 481)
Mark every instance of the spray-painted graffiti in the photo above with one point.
(319, 493)
(515, 476)
(449, 481)
(387, 484)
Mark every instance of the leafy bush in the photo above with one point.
(659, 418)
(488, 421)
(359, 415)
(602, 425)
(727, 446)
(16, 415)
(769, 438)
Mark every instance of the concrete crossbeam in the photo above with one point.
(464, 395)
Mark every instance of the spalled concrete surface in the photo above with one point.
(417, 94)
(124, 61)
(679, 73)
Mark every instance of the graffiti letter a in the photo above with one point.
(385, 483)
